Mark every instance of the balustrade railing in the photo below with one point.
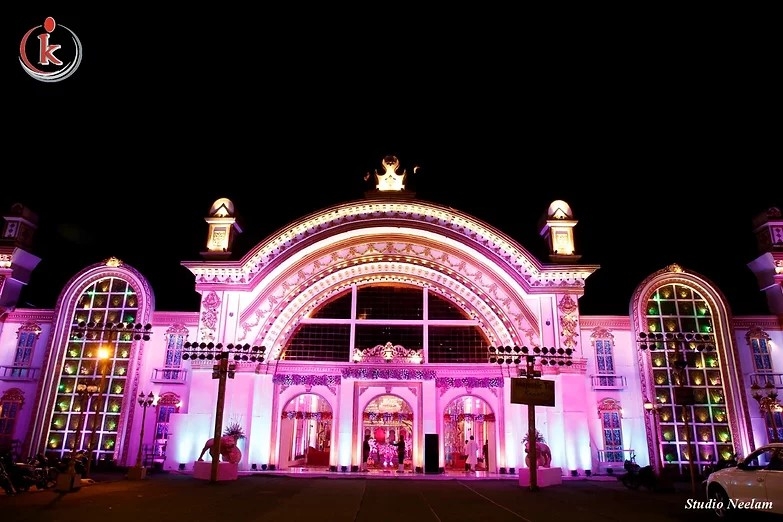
(608, 382)
(761, 379)
(173, 375)
(18, 373)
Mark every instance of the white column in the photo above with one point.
(344, 433)
(260, 433)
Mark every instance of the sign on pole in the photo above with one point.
(534, 392)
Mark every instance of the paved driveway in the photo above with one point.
(180, 498)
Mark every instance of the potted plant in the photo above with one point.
(234, 429)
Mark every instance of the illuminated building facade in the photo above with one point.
(376, 316)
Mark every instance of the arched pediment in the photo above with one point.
(428, 218)
(492, 278)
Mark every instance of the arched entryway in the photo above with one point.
(386, 419)
(464, 417)
(306, 432)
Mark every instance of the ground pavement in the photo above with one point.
(347, 497)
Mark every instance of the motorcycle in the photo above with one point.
(637, 476)
(5, 480)
(44, 470)
(21, 476)
(77, 460)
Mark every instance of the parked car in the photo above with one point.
(754, 484)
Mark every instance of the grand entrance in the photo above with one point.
(387, 419)
(463, 417)
(306, 432)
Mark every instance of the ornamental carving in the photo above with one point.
(209, 315)
(609, 404)
(13, 395)
(755, 332)
(30, 327)
(568, 321)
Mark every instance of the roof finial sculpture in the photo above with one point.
(390, 180)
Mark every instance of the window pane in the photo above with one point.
(441, 308)
(338, 308)
(457, 344)
(389, 302)
(410, 337)
(319, 342)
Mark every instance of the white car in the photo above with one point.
(755, 484)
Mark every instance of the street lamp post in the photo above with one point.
(138, 472)
(547, 356)
(683, 395)
(84, 392)
(652, 409)
(103, 356)
(221, 371)
(107, 336)
(767, 397)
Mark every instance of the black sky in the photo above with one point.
(660, 150)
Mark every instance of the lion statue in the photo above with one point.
(228, 450)
(543, 455)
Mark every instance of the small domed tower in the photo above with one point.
(557, 227)
(223, 229)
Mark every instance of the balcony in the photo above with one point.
(608, 382)
(169, 375)
(18, 373)
(614, 459)
(762, 379)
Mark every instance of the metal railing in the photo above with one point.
(610, 457)
(172, 375)
(761, 379)
(18, 373)
(608, 382)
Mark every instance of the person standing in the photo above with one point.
(400, 452)
(365, 449)
(472, 454)
(485, 454)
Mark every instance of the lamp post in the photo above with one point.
(547, 356)
(676, 345)
(652, 409)
(83, 391)
(103, 356)
(108, 337)
(138, 472)
(221, 371)
(767, 397)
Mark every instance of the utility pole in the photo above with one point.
(531, 427)
(531, 390)
(221, 371)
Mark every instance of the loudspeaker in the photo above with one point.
(431, 453)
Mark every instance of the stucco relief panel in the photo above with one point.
(271, 313)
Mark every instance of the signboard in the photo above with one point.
(535, 392)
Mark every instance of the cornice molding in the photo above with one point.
(32, 315)
(765, 322)
(619, 322)
(169, 318)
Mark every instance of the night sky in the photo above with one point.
(662, 160)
